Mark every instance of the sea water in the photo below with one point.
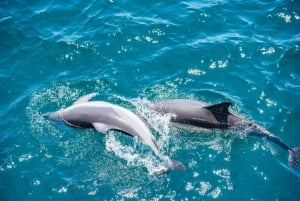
(134, 53)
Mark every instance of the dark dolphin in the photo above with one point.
(103, 117)
(218, 116)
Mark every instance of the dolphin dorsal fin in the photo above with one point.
(220, 107)
(85, 98)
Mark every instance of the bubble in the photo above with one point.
(25, 157)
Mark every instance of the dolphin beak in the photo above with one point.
(46, 115)
(55, 116)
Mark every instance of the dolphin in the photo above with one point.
(218, 116)
(103, 117)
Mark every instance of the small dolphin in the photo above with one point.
(103, 117)
(204, 115)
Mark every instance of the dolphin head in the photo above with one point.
(54, 116)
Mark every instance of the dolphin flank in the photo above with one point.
(103, 117)
(204, 115)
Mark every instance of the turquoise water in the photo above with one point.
(133, 53)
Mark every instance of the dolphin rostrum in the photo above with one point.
(104, 117)
(204, 115)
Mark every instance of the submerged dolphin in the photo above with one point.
(103, 117)
(201, 114)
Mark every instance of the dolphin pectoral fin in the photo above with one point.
(85, 98)
(102, 128)
(220, 108)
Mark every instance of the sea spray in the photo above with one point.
(135, 157)
(135, 154)
(160, 123)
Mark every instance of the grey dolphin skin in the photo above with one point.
(218, 116)
(103, 117)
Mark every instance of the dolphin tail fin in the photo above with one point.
(294, 157)
(177, 165)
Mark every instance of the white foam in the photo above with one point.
(160, 123)
(25, 157)
(134, 154)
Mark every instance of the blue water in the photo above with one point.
(133, 53)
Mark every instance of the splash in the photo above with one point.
(133, 154)
(160, 123)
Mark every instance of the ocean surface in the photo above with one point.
(133, 53)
